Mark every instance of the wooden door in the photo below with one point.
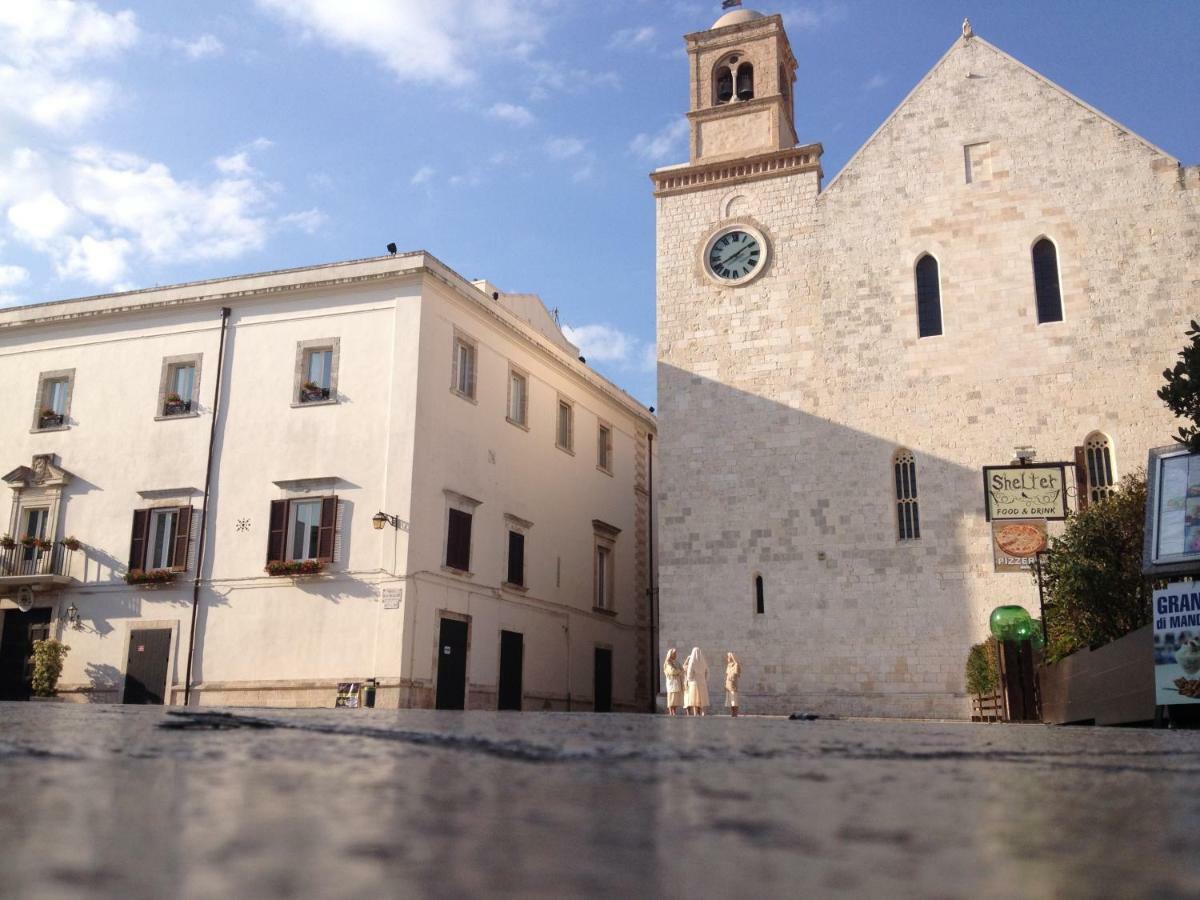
(146, 668)
(512, 654)
(603, 680)
(452, 665)
(16, 650)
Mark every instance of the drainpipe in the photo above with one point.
(650, 592)
(202, 538)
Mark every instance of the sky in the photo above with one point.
(145, 142)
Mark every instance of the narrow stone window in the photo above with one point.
(977, 158)
(564, 434)
(760, 603)
(1045, 282)
(1101, 470)
(462, 377)
(908, 518)
(929, 297)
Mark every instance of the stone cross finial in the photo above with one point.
(967, 32)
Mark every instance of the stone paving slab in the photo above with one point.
(144, 802)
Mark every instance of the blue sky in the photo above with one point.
(148, 142)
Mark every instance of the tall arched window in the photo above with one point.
(760, 602)
(929, 297)
(1045, 282)
(1101, 468)
(908, 517)
(745, 81)
(723, 84)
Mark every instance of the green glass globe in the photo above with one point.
(1012, 623)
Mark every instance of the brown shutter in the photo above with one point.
(183, 535)
(1081, 480)
(458, 541)
(137, 543)
(278, 533)
(328, 526)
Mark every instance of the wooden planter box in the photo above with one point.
(1111, 685)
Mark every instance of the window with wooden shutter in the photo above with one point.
(516, 558)
(137, 543)
(183, 535)
(463, 379)
(458, 540)
(328, 527)
(277, 536)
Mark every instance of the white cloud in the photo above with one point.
(514, 115)
(417, 40)
(664, 143)
(633, 38)
(11, 276)
(203, 47)
(42, 44)
(95, 260)
(423, 175)
(309, 220)
(234, 164)
(875, 82)
(602, 343)
(40, 218)
(813, 16)
(565, 147)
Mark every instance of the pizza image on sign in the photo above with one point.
(1020, 539)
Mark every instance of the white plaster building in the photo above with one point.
(999, 265)
(512, 565)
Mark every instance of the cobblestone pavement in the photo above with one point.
(146, 802)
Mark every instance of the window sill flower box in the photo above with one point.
(295, 567)
(48, 418)
(151, 576)
(35, 543)
(176, 406)
(311, 392)
(71, 543)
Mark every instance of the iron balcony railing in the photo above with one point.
(22, 561)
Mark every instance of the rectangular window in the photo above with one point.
(181, 383)
(566, 426)
(458, 540)
(160, 538)
(604, 448)
(53, 400)
(516, 558)
(978, 159)
(518, 397)
(304, 530)
(603, 599)
(463, 382)
(316, 371)
(161, 549)
(35, 527)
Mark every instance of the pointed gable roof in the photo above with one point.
(958, 46)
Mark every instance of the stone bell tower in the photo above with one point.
(743, 71)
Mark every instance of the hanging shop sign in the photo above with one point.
(1177, 643)
(1036, 491)
(1017, 542)
(1172, 513)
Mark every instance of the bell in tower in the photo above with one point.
(743, 71)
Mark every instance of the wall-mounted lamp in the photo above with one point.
(381, 518)
(73, 616)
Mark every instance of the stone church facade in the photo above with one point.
(999, 266)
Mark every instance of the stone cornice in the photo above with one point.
(684, 179)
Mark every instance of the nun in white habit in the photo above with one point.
(695, 676)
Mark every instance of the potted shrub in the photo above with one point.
(32, 542)
(7, 542)
(174, 405)
(48, 656)
(310, 391)
(72, 543)
(295, 567)
(150, 576)
(49, 418)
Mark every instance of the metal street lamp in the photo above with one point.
(381, 518)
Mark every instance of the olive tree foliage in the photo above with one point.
(1181, 393)
(1095, 592)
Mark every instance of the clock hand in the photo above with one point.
(727, 260)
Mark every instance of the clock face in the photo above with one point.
(735, 255)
